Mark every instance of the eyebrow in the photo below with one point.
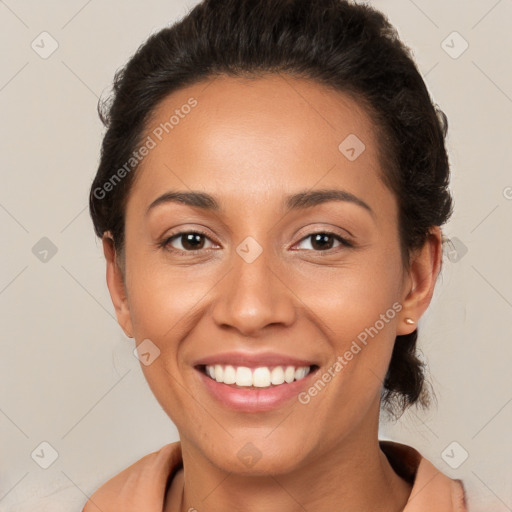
(298, 201)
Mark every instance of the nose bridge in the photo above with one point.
(252, 295)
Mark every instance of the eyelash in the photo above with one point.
(165, 244)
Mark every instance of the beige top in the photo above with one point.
(142, 487)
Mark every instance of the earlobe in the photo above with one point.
(423, 272)
(116, 285)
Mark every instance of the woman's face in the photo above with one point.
(263, 280)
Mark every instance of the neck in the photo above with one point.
(353, 475)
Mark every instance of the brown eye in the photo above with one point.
(189, 241)
(323, 241)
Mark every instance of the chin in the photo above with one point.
(251, 455)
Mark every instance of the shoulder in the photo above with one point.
(440, 491)
(431, 489)
(140, 486)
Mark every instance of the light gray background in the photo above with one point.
(67, 373)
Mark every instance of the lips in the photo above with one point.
(254, 382)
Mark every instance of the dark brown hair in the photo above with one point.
(349, 47)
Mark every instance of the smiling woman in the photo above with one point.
(271, 253)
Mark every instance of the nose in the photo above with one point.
(253, 296)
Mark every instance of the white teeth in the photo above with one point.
(300, 373)
(261, 377)
(289, 374)
(219, 373)
(243, 376)
(229, 375)
(277, 376)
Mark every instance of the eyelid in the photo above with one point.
(344, 241)
(319, 227)
(308, 231)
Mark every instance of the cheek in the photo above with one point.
(356, 308)
(351, 298)
(162, 308)
(163, 298)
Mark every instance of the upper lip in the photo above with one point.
(253, 360)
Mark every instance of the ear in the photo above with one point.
(116, 285)
(419, 285)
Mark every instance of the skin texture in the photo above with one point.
(250, 143)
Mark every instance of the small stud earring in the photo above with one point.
(409, 321)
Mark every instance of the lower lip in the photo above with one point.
(255, 399)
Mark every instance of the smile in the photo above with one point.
(258, 389)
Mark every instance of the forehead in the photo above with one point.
(241, 138)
